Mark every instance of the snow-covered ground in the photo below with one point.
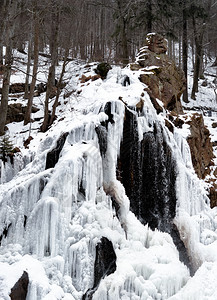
(57, 244)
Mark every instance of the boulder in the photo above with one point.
(200, 146)
(20, 289)
(163, 78)
(16, 112)
(102, 69)
(156, 43)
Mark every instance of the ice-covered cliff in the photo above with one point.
(109, 206)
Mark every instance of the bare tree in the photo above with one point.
(9, 8)
(35, 13)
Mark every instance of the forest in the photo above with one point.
(101, 30)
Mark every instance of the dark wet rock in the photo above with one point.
(102, 137)
(5, 232)
(53, 155)
(183, 253)
(148, 173)
(147, 170)
(20, 289)
(102, 69)
(178, 122)
(126, 81)
(105, 264)
(108, 111)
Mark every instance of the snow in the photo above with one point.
(68, 208)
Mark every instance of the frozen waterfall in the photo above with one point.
(120, 176)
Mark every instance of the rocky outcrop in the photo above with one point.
(16, 112)
(105, 264)
(200, 146)
(102, 69)
(20, 289)
(147, 170)
(148, 173)
(164, 79)
(53, 155)
(213, 195)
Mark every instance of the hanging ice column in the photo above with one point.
(110, 152)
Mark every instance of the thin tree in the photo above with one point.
(10, 9)
(27, 117)
(200, 16)
(55, 14)
(185, 48)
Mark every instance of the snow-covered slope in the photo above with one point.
(54, 215)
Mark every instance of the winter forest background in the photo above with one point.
(111, 31)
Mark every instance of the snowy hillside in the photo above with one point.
(66, 219)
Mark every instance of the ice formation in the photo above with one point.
(52, 217)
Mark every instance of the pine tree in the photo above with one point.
(6, 147)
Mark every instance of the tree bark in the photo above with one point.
(59, 84)
(51, 75)
(185, 49)
(198, 56)
(26, 94)
(5, 89)
(149, 16)
(27, 117)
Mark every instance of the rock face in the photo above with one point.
(148, 173)
(200, 146)
(165, 81)
(213, 195)
(53, 155)
(105, 264)
(20, 289)
(156, 43)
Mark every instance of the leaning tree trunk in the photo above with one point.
(185, 49)
(27, 117)
(5, 89)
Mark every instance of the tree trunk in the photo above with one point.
(27, 117)
(198, 56)
(51, 75)
(5, 89)
(1, 54)
(26, 95)
(59, 84)
(125, 58)
(149, 16)
(185, 49)
(44, 126)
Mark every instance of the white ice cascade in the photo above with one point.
(59, 214)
